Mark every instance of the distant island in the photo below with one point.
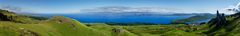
(196, 19)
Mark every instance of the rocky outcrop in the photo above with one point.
(3, 17)
(6, 15)
(217, 23)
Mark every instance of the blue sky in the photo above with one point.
(75, 6)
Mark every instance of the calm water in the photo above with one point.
(96, 18)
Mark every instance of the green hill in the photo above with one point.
(12, 24)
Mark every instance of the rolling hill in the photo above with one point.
(12, 24)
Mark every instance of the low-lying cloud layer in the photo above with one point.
(130, 9)
(117, 9)
(149, 9)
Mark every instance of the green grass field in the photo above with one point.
(156, 30)
(50, 27)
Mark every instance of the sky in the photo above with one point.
(82, 6)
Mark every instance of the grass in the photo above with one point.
(155, 30)
(110, 30)
(60, 26)
(50, 28)
(12, 24)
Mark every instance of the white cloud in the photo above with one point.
(39, 11)
(148, 9)
(11, 8)
(233, 8)
(125, 9)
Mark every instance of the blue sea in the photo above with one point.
(115, 18)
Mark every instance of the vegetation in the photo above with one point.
(193, 19)
(157, 30)
(12, 24)
(229, 28)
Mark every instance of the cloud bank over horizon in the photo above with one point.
(120, 9)
(116, 6)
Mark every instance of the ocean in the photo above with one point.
(157, 19)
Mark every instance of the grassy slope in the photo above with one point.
(156, 30)
(49, 28)
(110, 30)
(165, 30)
(12, 24)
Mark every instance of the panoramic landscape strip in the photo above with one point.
(119, 18)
